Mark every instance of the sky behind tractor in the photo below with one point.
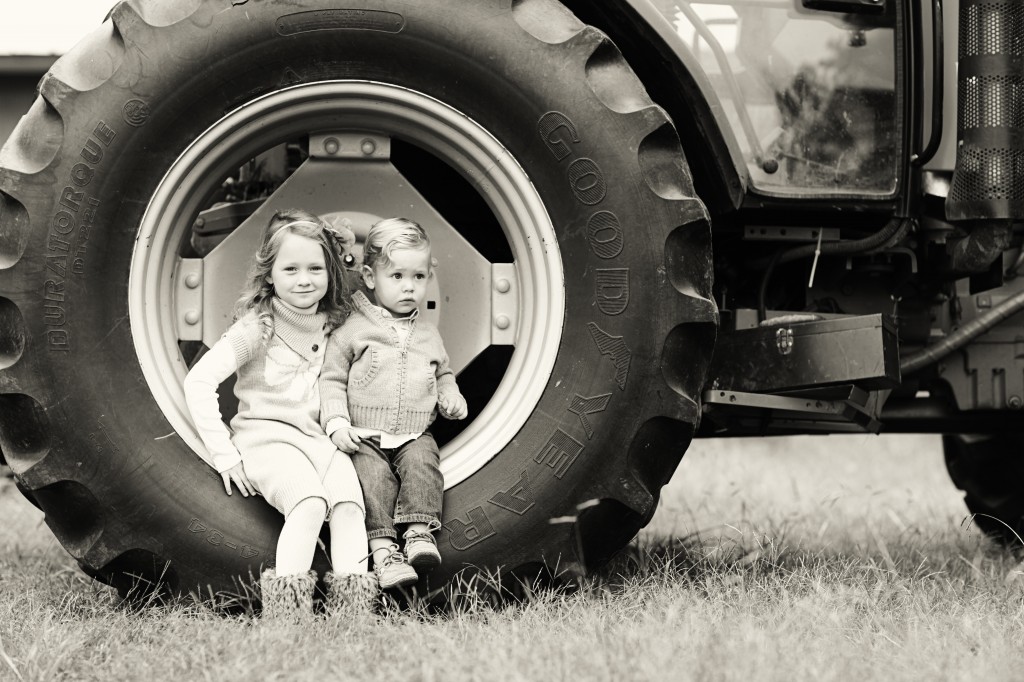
(49, 27)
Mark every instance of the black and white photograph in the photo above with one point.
(512, 340)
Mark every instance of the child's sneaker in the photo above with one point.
(393, 571)
(421, 549)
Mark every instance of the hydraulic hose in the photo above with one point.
(894, 230)
(963, 335)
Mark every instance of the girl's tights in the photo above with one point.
(349, 552)
(298, 539)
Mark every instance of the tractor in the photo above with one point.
(654, 221)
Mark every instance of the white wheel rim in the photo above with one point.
(395, 111)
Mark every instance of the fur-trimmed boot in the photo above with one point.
(287, 597)
(351, 595)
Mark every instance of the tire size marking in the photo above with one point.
(68, 236)
(218, 539)
(335, 19)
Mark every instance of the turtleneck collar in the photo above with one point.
(301, 331)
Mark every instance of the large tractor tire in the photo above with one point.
(990, 471)
(573, 280)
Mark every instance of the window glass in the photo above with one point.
(810, 95)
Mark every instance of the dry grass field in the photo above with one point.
(810, 558)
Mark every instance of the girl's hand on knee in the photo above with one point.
(236, 475)
(346, 439)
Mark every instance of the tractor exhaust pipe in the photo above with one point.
(987, 194)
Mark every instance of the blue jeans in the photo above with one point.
(400, 485)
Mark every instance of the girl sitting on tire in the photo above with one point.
(295, 295)
(385, 378)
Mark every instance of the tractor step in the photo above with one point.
(839, 409)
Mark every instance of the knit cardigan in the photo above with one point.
(375, 379)
(276, 387)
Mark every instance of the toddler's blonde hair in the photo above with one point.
(389, 234)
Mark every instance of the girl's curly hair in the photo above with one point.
(258, 293)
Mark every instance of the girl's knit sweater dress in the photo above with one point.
(276, 432)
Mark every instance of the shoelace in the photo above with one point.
(394, 556)
(414, 535)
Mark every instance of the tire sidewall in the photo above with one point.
(144, 475)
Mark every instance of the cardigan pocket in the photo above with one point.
(365, 368)
(431, 380)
